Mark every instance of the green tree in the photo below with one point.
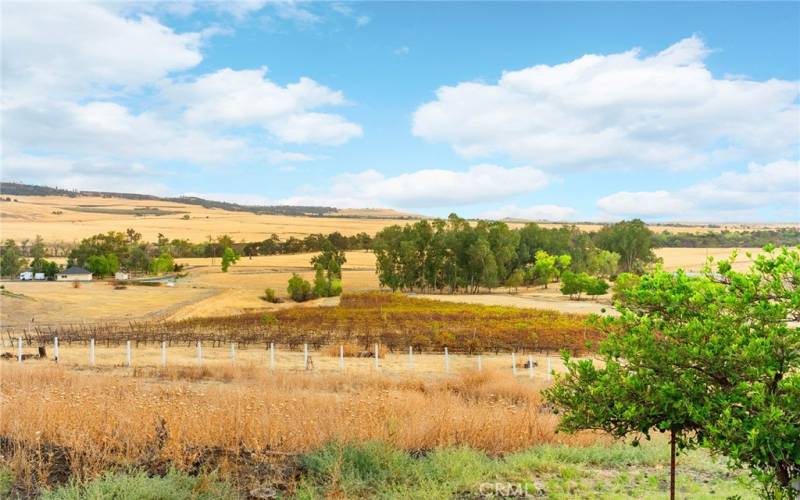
(596, 286)
(299, 289)
(516, 279)
(38, 249)
(632, 240)
(103, 265)
(229, 257)
(11, 261)
(163, 264)
(574, 284)
(623, 284)
(602, 262)
(544, 269)
(713, 360)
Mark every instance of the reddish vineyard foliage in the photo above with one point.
(394, 320)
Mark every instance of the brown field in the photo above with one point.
(32, 215)
(236, 417)
(207, 291)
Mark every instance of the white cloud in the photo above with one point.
(730, 196)
(89, 84)
(426, 188)
(536, 212)
(68, 49)
(617, 110)
(402, 51)
(247, 97)
(88, 174)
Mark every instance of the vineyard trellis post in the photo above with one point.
(377, 357)
(163, 353)
(549, 369)
(410, 357)
(272, 355)
(128, 353)
(530, 366)
(199, 353)
(55, 348)
(233, 352)
(514, 363)
(480, 363)
(305, 356)
(19, 349)
(341, 357)
(446, 361)
(91, 352)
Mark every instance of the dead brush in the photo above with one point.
(108, 420)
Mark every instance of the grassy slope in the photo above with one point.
(374, 470)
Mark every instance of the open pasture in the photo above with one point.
(65, 219)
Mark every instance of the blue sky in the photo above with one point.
(558, 111)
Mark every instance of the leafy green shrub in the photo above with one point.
(269, 296)
(137, 485)
(299, 289)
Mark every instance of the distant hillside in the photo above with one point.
(17, 189)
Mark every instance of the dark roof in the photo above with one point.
(76, 270)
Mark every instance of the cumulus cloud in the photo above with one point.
(732, 195)
(87, 174)
(618, 110)
(105, 85)
(426, 188)
(556, 213)
(69, 49)
(247, 97)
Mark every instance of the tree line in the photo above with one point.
(784, 236)
(456, 256)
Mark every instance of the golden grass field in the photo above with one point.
(207, 291)
(185, 415)
(32, 215)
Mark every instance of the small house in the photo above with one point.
(74, 273)
(121, 276)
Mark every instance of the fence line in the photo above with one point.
(307, 360)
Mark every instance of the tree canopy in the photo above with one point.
(714, 360)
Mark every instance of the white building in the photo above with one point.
(26, 275)
(74, 274)
(121, 276)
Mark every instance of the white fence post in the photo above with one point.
(341, 357)
(446, 361)
(377, 357)
(530, 366)
(305, 356)
(199, 353)
(549, 369)
(55, 348)
(272, 355)
(411, 357)
(233, 352)
(480, 363)
(513, 363)
(19, 349)
(91, 352)
(128, 353)
(164, 353)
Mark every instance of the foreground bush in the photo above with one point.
(139, 485)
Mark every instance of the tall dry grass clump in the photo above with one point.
(98, 420)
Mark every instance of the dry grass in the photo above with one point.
(178, 415)
(32, 215)
(218, 359)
